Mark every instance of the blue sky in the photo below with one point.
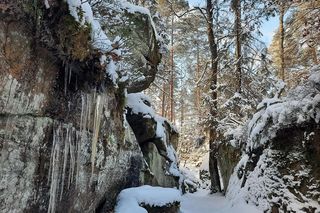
(267, 29)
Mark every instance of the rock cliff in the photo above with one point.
(63, 140)
(278, 169)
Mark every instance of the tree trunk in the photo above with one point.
(172, 119)
(198, 91)
(281, 41)
(163, 104)
(237, 11)
(213, 163)
(182, 112)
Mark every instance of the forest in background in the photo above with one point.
(216, 68)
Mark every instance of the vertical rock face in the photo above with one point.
(62, 136)
(46, 134)
(158, 166)
(64, 146)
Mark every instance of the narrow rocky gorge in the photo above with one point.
(80, 133)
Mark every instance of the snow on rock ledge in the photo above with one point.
(302, 104)
(129, 200)
(140, 104)
(83, 14)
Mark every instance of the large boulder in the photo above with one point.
(228, 158)
(279, 168)
(157, 138)
(141, 38)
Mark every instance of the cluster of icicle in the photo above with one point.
(67, 145)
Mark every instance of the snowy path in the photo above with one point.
(203, 202)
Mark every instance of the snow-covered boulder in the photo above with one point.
(143, 198)
(141, 38)
(279, 169)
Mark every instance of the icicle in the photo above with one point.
(87, 122)
(95, 135)
(76, 83)
(82, 111)
(51, 155)
(72, 158)
(84, 128)
(55, 169)
(70, 73)
(79, 135)
(70, 153)
(69, 144)
(65, 79)
(65, 159)
(78, 149)
(96, 128)
(95, 95)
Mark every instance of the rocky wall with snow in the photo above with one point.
(63, 141)
(158, 140)
(279, 168)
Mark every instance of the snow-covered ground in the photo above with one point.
(204, 202)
